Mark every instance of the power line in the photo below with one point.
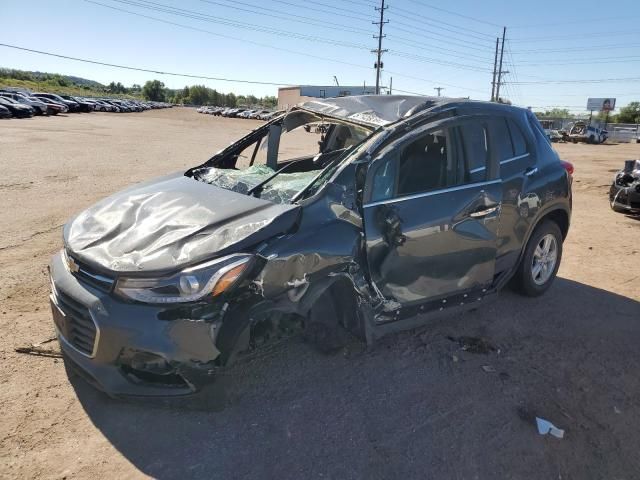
(422, 20)
(344, 27)
(154, 6)
(419, 58)
(353, 12)
(411, 93)
(197, 16)
(158, 7)
(584, 62)
(334, 60)
(583, 95)
(458, 43)
(429, 20)
(434, 82)
(302, 19)
(577, 49)
(575, 22)
(577, 81)
(230, 37)
(359, 17)
(456, 14)
(438, 49)
(561, 37)
(147, 70)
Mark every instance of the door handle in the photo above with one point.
(483, 213)
(531, 171)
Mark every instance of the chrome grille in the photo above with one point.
(81, 331)
(89, 275)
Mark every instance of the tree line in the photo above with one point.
(200, 95)
(628, 114)
(152, 90)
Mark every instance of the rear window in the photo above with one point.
(537, 128)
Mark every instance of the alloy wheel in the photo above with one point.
(545, 257)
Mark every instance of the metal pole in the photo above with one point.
(390, 85)
(504, 34)
(379, 50)
(495, 70)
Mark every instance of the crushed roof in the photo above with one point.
(375, 110)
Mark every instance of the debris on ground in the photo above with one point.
(474, 344)
(39, 351)
(545, 427)
(488, 369)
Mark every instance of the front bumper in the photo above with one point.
(137, 350)
(625, 199)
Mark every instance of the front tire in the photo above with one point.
(541, 260)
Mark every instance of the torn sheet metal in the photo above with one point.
(171, 223)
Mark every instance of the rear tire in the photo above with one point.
(540, 261)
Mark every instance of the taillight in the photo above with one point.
(568, 167)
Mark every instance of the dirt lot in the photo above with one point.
(415, 406)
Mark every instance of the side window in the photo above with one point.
(501, 139)
(519, 143)
(475, 148)
(426, 164)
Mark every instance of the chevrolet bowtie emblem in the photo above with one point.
(72, 265)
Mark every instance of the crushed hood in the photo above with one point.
(172, 222)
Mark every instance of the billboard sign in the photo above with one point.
(601, 104)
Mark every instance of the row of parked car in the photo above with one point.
(24, 104)
(241, 112)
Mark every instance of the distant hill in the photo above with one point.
(70, 78)
(65, 84)
(64, 80)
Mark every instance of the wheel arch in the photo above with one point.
(557, 214)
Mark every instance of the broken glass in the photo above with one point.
(280, 190)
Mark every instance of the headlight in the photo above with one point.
(211, 278)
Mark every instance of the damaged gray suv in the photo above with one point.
(347, 216)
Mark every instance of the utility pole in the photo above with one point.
(335, 79)
(439, 89)
(379, 51)
(500, 72)
(495, 71)
(391, 86)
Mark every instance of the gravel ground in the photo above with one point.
(415, 406)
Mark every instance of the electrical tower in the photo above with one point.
(379, 51)
(497, 70)
(439, 89)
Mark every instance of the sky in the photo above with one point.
(557, 54)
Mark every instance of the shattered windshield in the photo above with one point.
(282, 159)
(280, 190)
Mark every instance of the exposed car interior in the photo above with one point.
(281, 159)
